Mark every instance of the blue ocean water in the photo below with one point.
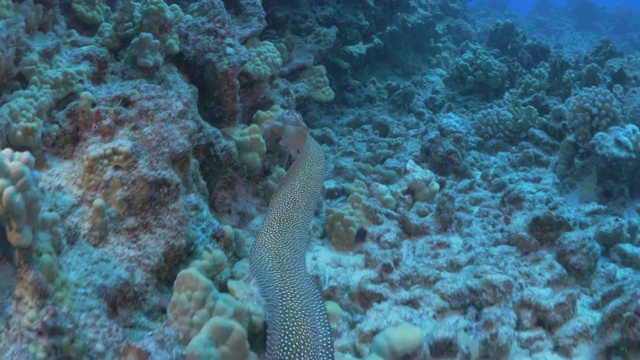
(525, 6)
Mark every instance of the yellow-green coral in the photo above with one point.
(387, 176)
(212, 262)
(252, 149)
(222, 339)
(244, 293)
(48, 234)
(90, 12)
(264, 62)
(99, 220)
(262, 116)
(20, 205)
(591, 110)
(315, 84)
(25, 113)
(151, 22)
(525, 118)
(503, 124)
(146, 51)
(85, 101)
(100, 158)
(477, 71)
(271, 182)
(335, 313)
(156, 17)
(195, 300)
(49, 229)
(396, 342)
(419, 182)
(384, 195)
(343, 223)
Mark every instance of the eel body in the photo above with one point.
(297, 321)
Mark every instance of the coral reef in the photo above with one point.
(160, 200)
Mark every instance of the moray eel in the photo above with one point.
(297, 321)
